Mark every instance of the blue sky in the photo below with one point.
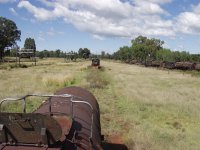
(105, 25)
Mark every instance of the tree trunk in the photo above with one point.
(1, 55)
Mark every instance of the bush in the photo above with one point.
(97, 79)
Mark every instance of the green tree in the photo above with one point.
(145, 48)
(30, 44)
(103, 54)
(57, 53)
(165, 55)
(9, 34)
(195, 57)
(185, 56)
(84, 53)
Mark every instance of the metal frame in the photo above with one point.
(81, 100)
(25, 51)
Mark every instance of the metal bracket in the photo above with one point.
(2, 134)
(43, 134)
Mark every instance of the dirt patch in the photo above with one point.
(115, 139)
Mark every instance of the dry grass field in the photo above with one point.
(142, 108)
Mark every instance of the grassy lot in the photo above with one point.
(147, 108)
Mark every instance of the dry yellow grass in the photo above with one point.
(150, 108)
(160, 108)
(46, 77)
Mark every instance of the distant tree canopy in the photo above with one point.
(46, 53)
(30, 44)
(168, 55)
(84, 53)
(144, 49)
(9, 34)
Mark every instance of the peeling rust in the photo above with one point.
(70, 120)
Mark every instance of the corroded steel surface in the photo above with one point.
(197, 66)
(76, 124)
(95, 62)
(18, 127)
(184, 65)
(26, 148)
(169, 65)
(80, 130)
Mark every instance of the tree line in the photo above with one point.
(55, 53)
(10, 34)
(142, 49)
(145, 49)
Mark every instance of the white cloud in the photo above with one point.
(12, 10)
(107, 17)
(39, 13)
(149, 7)
(98, 37)
(189, 22)
(159, 1)
(52, 32)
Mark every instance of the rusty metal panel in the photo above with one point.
(29, 129)
(95, 62)
(77, 117)
(80, 131)
(26, 148)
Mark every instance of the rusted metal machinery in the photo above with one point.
(197, 66)
(185, 65)
(67, 120)
(96, 62)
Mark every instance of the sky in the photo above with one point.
(105, 25)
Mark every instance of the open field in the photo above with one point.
(142, 108)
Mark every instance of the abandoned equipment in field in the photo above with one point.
(26, 53)
(68, 120)
(96, 62)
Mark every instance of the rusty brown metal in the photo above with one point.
(96, 62)
(76, 117)
(81, 126)
(169, 65)
(16, 129)
(197, 66)
(184, 65)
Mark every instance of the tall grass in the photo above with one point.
(148, 108)
(157, 109)
(45, 78)
(97, 78)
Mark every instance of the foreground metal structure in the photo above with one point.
(67, 120)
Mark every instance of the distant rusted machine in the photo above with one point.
(96, 62)
(67, 120)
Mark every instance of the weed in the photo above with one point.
(195, 73)
(97, 79)
(23, 66)
(59, 81)
(176, 125)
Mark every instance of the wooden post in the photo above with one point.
(19, 58)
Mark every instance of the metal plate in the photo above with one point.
(22, 129)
